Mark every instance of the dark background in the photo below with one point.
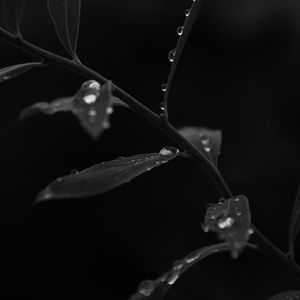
(239, 72)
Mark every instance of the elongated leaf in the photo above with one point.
(290, 295)
(11, 14)
(207, 141)
(231, 220)
(294, 223)
(157, 289)
(92, 105)
(65, 15)
(16, 70)
(106, 176)
(174, 55)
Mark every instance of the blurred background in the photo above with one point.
(239, 72)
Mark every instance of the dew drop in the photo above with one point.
(236, 199)
(225, 223)
(171, 55)
(94, 85)
(146, 288)
(192, 257)
(205, 140)
(250, 231)
(89, 99)
(106, 125)
(168, 151)
(92, 113)
(187, 12)
(172, 277)
(162, 106)
(179, 30)
(207, 149)
(205, 228)
(109, 110)
(74, 172)
(178, 265)
(238, 213)
(164, 87)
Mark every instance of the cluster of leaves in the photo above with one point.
(93, 104)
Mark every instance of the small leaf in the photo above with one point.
(65, 15)
(105, 176)
(231, 220)
(157, 289)
(294, 223)
(289, 295)
(11, 12)
(60, 104)
(92, 105)
(16, 70)
(207, 141)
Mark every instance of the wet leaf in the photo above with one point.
(290, 295)
(207, 141)
(231, 220)
(11, 14)
(157, 289)
(294, 223)
(65, 15)
(105, 176)
(92, 105)
(16, 70)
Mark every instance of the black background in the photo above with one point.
(239, 72)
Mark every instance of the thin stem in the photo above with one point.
(216, 177)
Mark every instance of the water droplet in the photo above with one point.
(192, 257)
(168, 151)
(164, 87)
(59, 179)
(205, 228)
(179, 30)
(236, 199)
(109, 110)
(205, 140)
(225, 223)
(146, 288)
(187, 12)
(207, 149)
(106, 125)
(148, 168)
(172, 277)
(89, 99)
(250, 231)
(171, 55)
(92, 113)
(94, 85)
(178, 265)
(74, 172)
(162, 106)
(239, 213)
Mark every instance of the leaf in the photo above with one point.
(92, 105)
(289, 295)
(294, 223)
(184, 33)
(157, 289)
(231, 220)
(65, 15)
(16, 70)
(207, 141)
(11, 12)
(105, 176)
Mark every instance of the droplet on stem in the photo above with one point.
(94, 85)
(171, 55)
(187, 12)
(162, 106)
(164, 87)
(146, 288)
(89, 99)
(225, 223)
(179, 30)
(168, 151)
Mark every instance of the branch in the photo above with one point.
(216, 177)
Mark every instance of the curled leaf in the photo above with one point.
(231, 220)
(294, 223)
(207, 141)
(92, 105)
(11, 14)
(17, 70)
(289, 295)
(105, 176)
(65, 15)
(156, 289)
